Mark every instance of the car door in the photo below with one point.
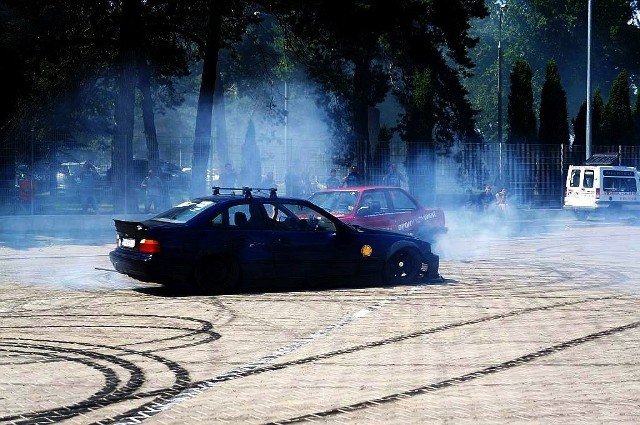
(373, 210)
(307, 243)
(406, 213)
(242, 230)
(581, 191)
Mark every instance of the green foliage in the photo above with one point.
(617, 122)
(520, 115)
(554, 119)
(538, 30)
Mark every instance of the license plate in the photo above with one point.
(128, 242)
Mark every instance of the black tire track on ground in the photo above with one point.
(108, 395)
(150, 409)
(501, 367)
(206, 328)
(182, 378)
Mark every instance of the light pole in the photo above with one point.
(502, 5)
(588, 129)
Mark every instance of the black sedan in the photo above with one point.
(220, 241)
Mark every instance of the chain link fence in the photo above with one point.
(46, 177)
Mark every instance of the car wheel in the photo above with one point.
(402, 267)
(217, 274)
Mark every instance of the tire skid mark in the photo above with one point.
(501, 367)
(181, 376)
(206, 328)
(135, 416)
(108, 394)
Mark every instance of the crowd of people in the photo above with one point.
(487, 201)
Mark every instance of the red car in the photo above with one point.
(382, 207)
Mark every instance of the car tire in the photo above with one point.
(217, 274)
(402, 267)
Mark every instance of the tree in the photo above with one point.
(540, 29)
(554, 119)
(358, 51)
(617, 122)
(520, 116)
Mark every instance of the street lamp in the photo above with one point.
(502, 5)
(588, 129)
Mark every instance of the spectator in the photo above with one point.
(228, 176)
(353, 178)
(501, 201)
(87, 180)
(393, 177)
(26, 187)
(487, 199)
(152, 184)
(332, 181)
(268, 182)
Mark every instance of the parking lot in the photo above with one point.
(538, 322)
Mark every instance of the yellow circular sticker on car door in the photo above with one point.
(366, 250)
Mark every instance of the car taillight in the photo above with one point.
(149, 246)
(597, 193)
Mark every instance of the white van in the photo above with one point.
(597, 188)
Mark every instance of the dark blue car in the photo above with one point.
(220, 241)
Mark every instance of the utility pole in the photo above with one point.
(502, 5)
(588, 130)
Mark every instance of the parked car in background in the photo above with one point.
(219, 242)
(67, 174)
(171, 174)
(382, 207)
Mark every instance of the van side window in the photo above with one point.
(588, 178)
(575, 178)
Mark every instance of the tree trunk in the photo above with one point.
(124, 189)
(220, 119)
(153, 151)
(202, 142)
(361, 81)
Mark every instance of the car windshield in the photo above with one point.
(185, 211)
(341, 201)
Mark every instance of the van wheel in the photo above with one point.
(402, 267)
(581, 215)
(217, 274)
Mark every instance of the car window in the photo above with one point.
(575, 178)
(185, 211)
(588, 178)
(341, 201)
(401, 201)
(241, 216)
(615, 184)
(298, 217)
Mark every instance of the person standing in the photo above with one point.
(332, 181)
(487, 199)
(87, 181)
(228, 176)
(152, 185)
(393, 177)
(501, 201)
(353, 178)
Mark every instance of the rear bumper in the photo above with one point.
(148, 268)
